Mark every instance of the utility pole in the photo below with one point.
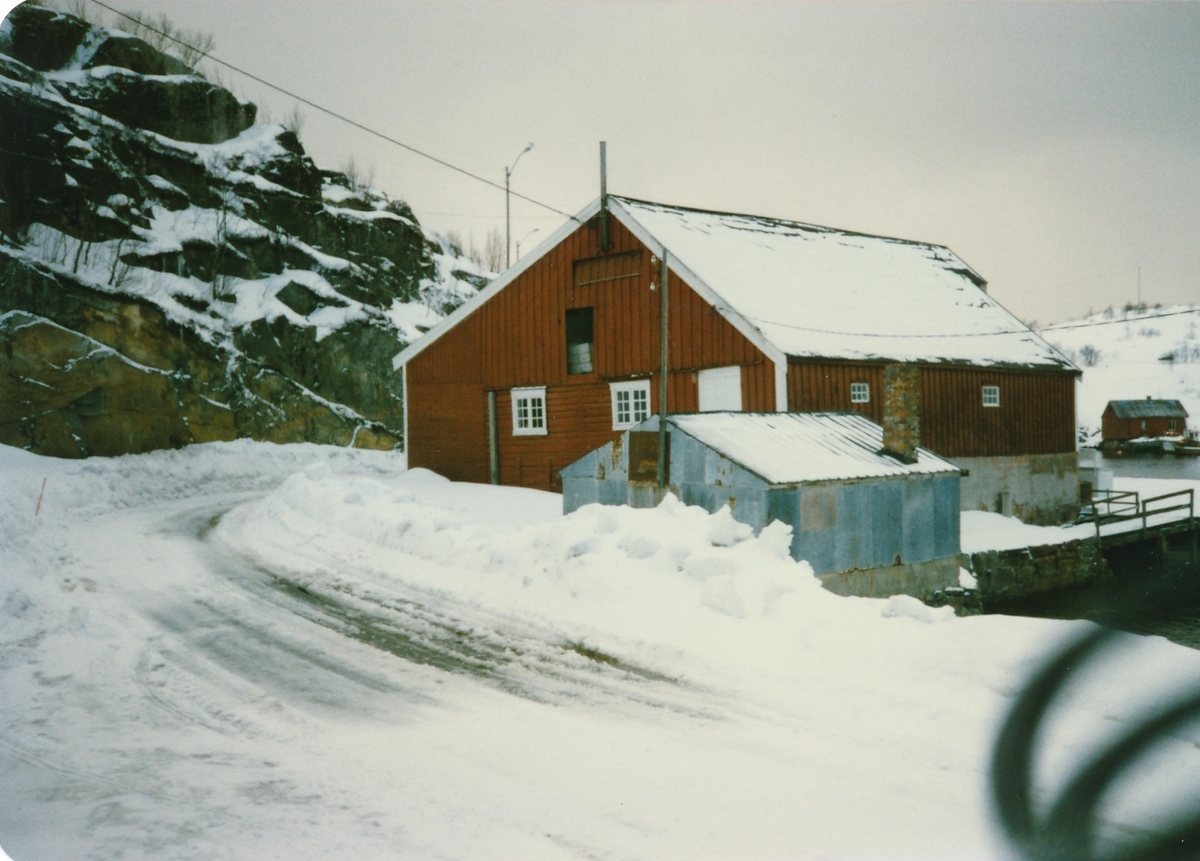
(522, 239)
(507, 209)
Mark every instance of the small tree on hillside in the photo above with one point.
(493, 251)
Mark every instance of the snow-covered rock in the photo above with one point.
(142, 211)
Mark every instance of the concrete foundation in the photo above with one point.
(920, 579)
(1042, 489)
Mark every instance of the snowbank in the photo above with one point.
(255, 651)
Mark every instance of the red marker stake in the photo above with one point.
(38, 510)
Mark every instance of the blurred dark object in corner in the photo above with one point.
(1068, 830)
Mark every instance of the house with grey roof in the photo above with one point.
(1126, 420)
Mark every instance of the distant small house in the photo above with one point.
(868, 522)
(1124, 420)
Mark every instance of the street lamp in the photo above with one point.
(507, 220)
(522, 239)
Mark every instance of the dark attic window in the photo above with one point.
(579, 341)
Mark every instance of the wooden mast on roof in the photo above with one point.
(603, 198)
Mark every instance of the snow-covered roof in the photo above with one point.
(787, 448)
(819, 292)
(1148, 409)
(796, 289)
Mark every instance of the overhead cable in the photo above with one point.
(331, 113)
(1060, 327)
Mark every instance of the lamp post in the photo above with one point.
(507, 219)
(522, 239)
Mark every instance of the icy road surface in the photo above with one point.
(255, 651)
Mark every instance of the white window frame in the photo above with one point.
(860, 393)
(630, 388)
(720, 384)
(534, 397)
(991, 396)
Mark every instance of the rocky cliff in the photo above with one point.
(172, 272)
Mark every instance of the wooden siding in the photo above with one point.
(451, 436)
(518, 338)
(1036, 413)
(1117, 428)
(819, 386)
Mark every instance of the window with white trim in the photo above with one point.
(630, 403)
(860, 393)
(529, 411)
(991, 396)
(1170, 425)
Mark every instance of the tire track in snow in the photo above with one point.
(433, 630)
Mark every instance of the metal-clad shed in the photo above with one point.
(867, 523)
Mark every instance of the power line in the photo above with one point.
(1055, 328)
(331, 113)
(1081, 325)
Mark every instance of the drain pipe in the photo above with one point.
(662, 377)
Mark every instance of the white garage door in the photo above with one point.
(721, 389)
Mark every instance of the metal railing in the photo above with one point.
(1124, 506)
(1114, 503)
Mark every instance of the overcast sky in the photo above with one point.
(1054, 147)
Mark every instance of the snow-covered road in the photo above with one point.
(253, 651)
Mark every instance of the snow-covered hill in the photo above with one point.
(1132, 353)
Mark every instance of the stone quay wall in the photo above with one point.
(1007, 574)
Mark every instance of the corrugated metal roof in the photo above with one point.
(787, 448)
(1148, 409)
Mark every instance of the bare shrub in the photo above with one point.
(294, 121)
(1089, 355)
(454, 243)
(80, 9)
(221, 283)
(493, 251)
(361, 177)
(190, 46)
(119, 273)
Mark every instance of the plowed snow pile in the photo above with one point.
(242, 650)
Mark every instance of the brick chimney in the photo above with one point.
(901, 412)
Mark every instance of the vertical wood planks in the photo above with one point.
(518, 338)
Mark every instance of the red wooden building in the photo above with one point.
(561, 353)
(1124, 420)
